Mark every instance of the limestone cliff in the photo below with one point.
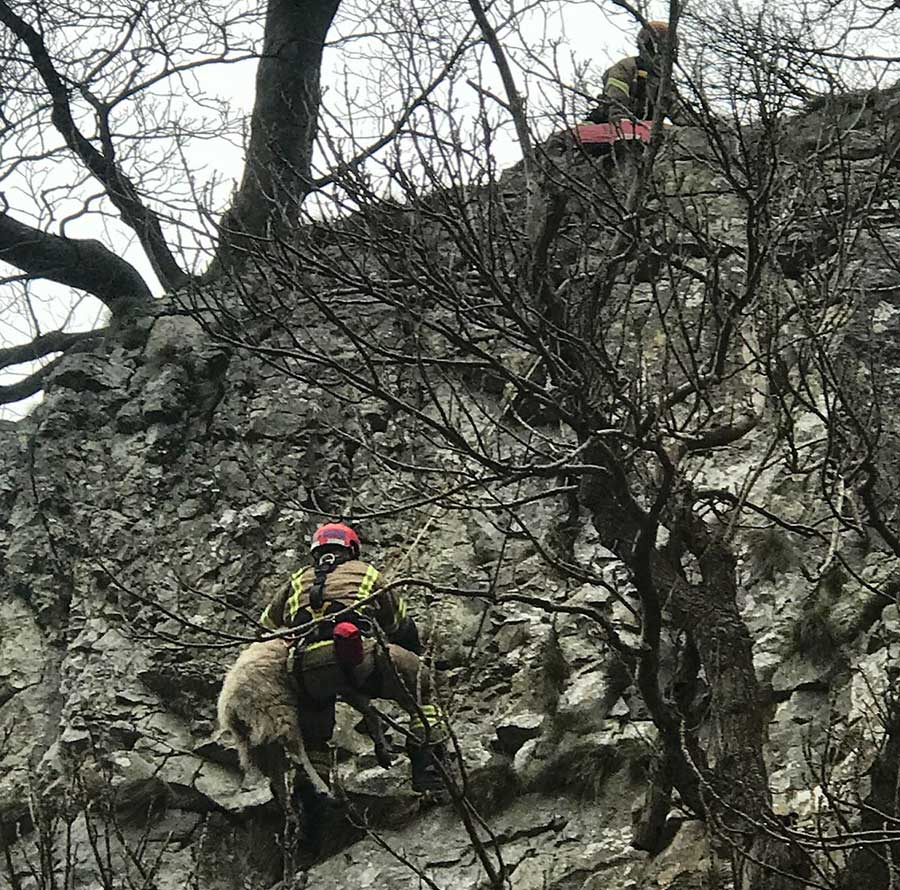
(170, 479)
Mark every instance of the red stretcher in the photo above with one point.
(607, 134)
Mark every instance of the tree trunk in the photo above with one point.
(729, 776)
(737, 785)
(282, 130)
(874, 865)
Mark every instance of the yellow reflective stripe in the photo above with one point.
(292, 606)
(401, 608)
(367, 583)
(615, 84)
(429, 728)
(318, 645)
(265, 620)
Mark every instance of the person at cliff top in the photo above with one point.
(631, 86)
(334, 603)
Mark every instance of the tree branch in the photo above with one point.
(28, 386)
(120, 189)
(720, 436)
(55, 341)
(82, 263)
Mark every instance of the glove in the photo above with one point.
(600, 115)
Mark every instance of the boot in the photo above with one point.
(425, 774)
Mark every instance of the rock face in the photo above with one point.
(168, 484)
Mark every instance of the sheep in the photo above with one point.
(258, 704)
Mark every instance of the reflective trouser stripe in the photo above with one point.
(429, 727)
(398, 617)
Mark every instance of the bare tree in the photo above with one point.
(108, 85)
(602, 359)
(595, 348)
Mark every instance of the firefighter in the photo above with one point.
(631, 86)
(336, 601)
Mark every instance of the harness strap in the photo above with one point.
(318, 607)
(323, 569)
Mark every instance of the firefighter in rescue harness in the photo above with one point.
(631, 86)
(340, 593)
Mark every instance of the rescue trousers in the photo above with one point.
(390, 672)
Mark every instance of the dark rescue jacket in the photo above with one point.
(631, 90)
(352, 584)
(627, 92)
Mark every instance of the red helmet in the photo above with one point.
(335, 533)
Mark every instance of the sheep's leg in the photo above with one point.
(298, 754)
(272, 760)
